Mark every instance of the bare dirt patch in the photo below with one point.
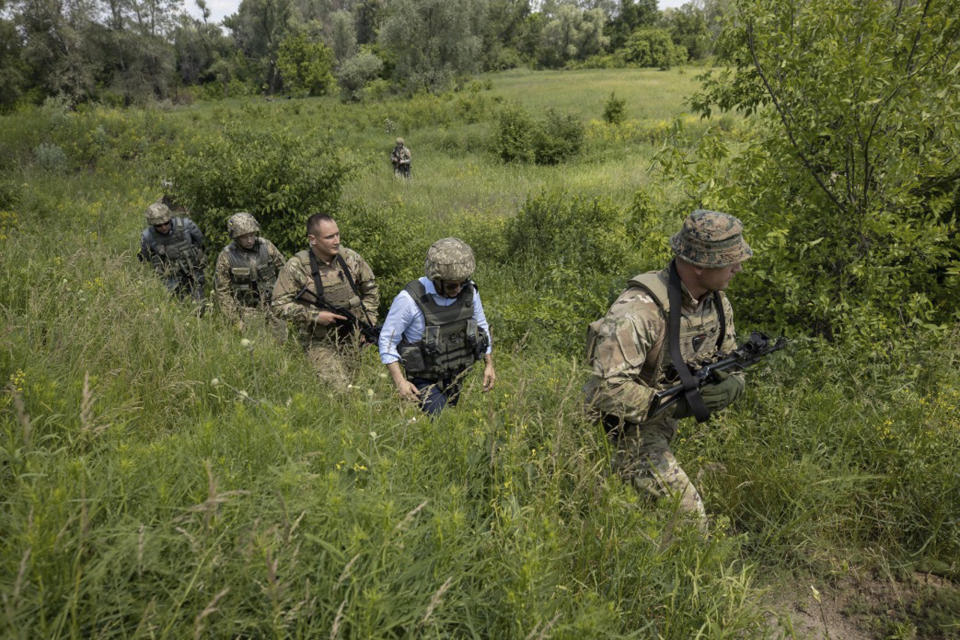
(921, 606)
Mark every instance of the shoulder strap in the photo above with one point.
(346, 272)
(718, 302)
(315, 273)
(690, 390)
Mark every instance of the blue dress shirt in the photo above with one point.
(405, 320)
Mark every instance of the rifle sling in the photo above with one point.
(690, 388)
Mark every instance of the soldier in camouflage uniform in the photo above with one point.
(631, 353)
(346, 281)
(174, 246)
(246, 270)
(400, 157)
(436, 329)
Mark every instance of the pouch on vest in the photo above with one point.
(242, 275)
(411, 356)
(431, 341)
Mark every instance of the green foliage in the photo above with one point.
(516, 134)
(864, 182)
(357, 72)
(555, 138)
(50, 157)
(571, 33)
(653, 47)
(305, 67)
(568, 257)
(276, 175)
(430, 42)
(615, 109)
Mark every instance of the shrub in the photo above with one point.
(356, 73)
(568, 256)
(51, 157)
(516, 133)
(306, 67)
(652, 47)
(554, 139)
(615, 109)
(559, 137)
(276, 176)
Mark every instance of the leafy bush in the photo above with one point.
(274, 175)
(653, 47)
(615, 109)
(306, 67)
(515, 134)
(519, 137)
(356, 73)
(51, 157)
(567, 256)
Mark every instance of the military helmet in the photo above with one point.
(158, 213)
(242, 223)
(449, 259)
(399, 142)
(711, 239)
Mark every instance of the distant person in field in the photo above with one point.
(174, 247)
(328, 291)
(246, 270)
(666, 320)
(400, 157)
(436, 330)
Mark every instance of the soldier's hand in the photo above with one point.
(408, 390)
(489, 377)
(725, 390)
(326, 318)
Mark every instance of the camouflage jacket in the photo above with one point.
(627, 349)
(295, 279)
(176, 256)
(245, 277)
(400, 155)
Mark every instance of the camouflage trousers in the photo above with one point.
(330, 361)
(644, 460)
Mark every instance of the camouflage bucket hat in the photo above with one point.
(158, 213)
(449, 259)
(711, 239)
(240, 224)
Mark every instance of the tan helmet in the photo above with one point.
(450, 259)
(242, 223)
(399, 142)
(711, 239)
(158, 213)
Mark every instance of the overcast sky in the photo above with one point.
(219, 9)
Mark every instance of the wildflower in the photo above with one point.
(244, 342)
(215, 382)
(369, 393)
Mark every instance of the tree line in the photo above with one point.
(126, 51)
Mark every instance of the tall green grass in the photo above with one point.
(160, 478)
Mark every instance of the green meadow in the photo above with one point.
(165, 475)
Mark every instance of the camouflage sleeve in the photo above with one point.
(290, 281)
(195, 234)
(276, 257)
(222, 290)
(730, 336)
(619, 346)
(366, 284)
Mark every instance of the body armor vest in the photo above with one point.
(252, 274)
(336, 290)
(451, 341)
(700, 336)
(175, 251)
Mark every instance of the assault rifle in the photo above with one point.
(345, 328)
(757, 346)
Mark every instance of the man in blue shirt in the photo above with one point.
(436, 330)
